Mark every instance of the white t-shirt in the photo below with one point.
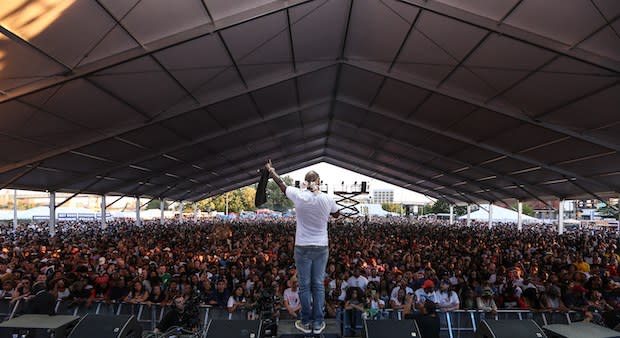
(422, 296)
(292, 297)
(343, 289)
(312, 215)
(394, 293)
(360, 282)
(232, 301)
(448, 299)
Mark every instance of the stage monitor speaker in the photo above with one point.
(99, 326)
(578, 330)
(38, 326)
(364, 186)
(391, 329)
(234, 329)
(509, 329)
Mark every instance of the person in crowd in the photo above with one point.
(485, 301)
(256, 253)
(290, 298)
(426, 292)
(354, 307)
(428, 320)
(448, 300)
(376, 305)
(137, 294)
(312, 209)
(176, 317)
(221, 295)
(237, 301)
(43, 302)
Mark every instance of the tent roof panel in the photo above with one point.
(431, 95)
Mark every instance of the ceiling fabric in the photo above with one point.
(466, 101)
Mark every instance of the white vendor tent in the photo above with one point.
(499, 215)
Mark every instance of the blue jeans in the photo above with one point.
(311, 262)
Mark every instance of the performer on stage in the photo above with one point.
(312, 209)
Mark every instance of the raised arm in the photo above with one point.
(276, 178)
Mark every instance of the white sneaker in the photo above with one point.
(305, 328)
(319, 329)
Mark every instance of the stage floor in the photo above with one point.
(286, 329)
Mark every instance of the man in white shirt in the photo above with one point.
(374, 277)
(312, 210)
(426, 292)
(357, 280)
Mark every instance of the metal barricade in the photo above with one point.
(6, 309)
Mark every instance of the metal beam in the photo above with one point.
(162, 118)
(475, 143)
(443, 157)
(284, 166)
(461, 178)
(345, 156)
(157, 46)
(339, 159)
(116, 200)
(19, 175)
(374, 163)
(257, 160)
(205, 158)
(246, 125)
(515, 33)
(509, 112)
(343, 47)
(413, 165)
(416, 178)
(18, 39)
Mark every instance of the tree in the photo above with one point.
(276, 200)
(443, 207)
(238, 200)
(439, 207)
(392, 207)
(155, 204)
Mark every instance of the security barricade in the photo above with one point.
(454, 324)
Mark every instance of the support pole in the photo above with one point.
(519, 215)
(180, 211)
(162, 202)
(14, 209)
(138, 220)
(104, 223)
(451, 214)
(195, 205)
(490, 215)
(561, 217)
(52, 223)
(468, 215)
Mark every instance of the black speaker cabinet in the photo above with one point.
(509, 329)
(38, 326)
(391, 329)
(234, 329)
(97, 326)
(578, 330)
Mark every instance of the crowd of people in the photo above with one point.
(389, 263)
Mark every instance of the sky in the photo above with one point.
(333, 175)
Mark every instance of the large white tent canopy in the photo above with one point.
(466, 101)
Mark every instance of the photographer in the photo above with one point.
(176, 317)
